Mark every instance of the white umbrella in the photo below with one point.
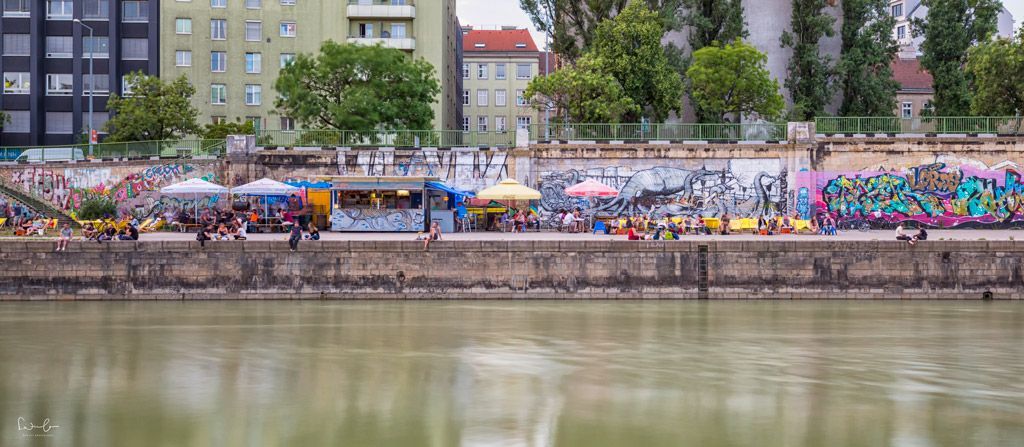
(265, 187)
(194, 187)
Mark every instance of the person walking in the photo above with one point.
(295, 235)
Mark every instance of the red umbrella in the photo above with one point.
(591, 188)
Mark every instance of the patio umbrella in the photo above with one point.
(265, 187)
(509, 189)
(591, 188)
(194, 187)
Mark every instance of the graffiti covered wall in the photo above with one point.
(463, 170)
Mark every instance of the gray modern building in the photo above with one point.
(46, 49)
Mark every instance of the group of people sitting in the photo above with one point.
(518, 222)
(571, 222)
(111, 232)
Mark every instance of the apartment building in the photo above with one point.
(44, 59)
(497, 67)
(905, 11)
(233, 50)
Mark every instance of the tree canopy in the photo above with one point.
(220, 131)
(584, 92)
(950, 29)
(154, 110)
(733, 79)
(809, 78)
(357, 87)
(868, 48)
(709, 21)
(998, 71)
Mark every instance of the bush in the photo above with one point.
(96, 208)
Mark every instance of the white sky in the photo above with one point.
(1016, 7)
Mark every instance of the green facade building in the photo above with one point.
(232, 50)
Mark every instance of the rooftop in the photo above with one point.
(503, 40)
(910, 75)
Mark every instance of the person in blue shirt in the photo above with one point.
(460, 214)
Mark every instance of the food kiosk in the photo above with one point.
(386, 204)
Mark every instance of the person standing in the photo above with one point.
(295, 235)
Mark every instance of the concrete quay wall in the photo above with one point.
(512, 270)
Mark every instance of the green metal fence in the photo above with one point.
(376, 138)
(1003, 125)
(134, 150)
(659, 132)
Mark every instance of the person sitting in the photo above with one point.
(66, 235)
(787, 224)
(314, 232)
(532, 222)
(568, 222)
(89, 231)
(108, 234)
(687, 225)
(829, 227)
(723, 227)
(222, 233)
(203, 234)
(921, 235)
(206, 217)
(699, 227)
(122, 235)
(632, 235)
(901, 235)
(133, 232)
(773, 227)
(578, 220)
(668, 235)
(813, 226)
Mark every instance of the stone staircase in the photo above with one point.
(39, 206)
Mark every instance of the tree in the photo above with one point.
(709, 21)
(358, 87)
(950, 29)
(809, 74)
(4, 119)
(868, 48)
(998, 71)
(220, 131)
(733, 79)
(155, 110)
(628, 47)
(584, 92)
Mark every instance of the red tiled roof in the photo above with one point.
(497, 41)
(910, 75)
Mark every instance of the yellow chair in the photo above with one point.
(677, 220)
(749, 224)
(3, 221)
(712, 223)
(156, 226)
(736, 225)
(801, 225)
(145, 223)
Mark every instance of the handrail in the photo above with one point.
(384, 138)
(659, 132)
(130, 150)
(1002, 125)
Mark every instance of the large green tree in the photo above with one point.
(708, 21)
(153, 110)
(629, 48)
(584, 92)
(950, 29)
(864, 70)
(221, 130)
(733, 80)
(358, 87)
(998, 71)
(809, 74)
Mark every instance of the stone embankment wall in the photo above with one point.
(513, 270)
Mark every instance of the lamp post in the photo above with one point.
(92, 78)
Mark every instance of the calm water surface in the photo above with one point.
(513, 374)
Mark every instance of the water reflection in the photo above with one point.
(514, 374)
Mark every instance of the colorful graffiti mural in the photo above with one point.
(736, 187)
(377, 220)
(937, 194)
(464, 170)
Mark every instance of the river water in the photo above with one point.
(512, 374)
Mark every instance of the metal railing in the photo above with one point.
(1004, 125)
(378, 138)
(382, 2)
(133, 150)
(659, 132)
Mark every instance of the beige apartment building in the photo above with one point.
(233, 50)
(497, 67)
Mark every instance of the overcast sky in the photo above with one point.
(507, 12)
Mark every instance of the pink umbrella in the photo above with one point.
(591, 188)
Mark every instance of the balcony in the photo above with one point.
(400, 43)
(381, 9)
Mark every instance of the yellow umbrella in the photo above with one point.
(509, 189)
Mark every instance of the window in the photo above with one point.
(287, 58)
(465, 71)
(253, 31)
(481, 124)
(218, 29)
(499, 71)
(135, 11)
(522, 122)
(465, 97)
(499, 98)
(97, 46)
(183, 26)
(126, 86)
(183, 58)
(897, 10)
(287, 29)
(96, 9)
(252, 4)
(16, 83)
(398, 31)
(218, 94)
(58, 122)
(59, 84)
(102, 82)
(520, 100)
(219, 119)
(135, 49)
(218, 61)
(523, 71)
(59, 9)
(481, 98)
(481, 71)
(907, 110)
(287, 2)
(99, 119)
(21, 121)
(901, 32)
(499, 124)
(365, 30)
(465, 124)
(253, 62)
(59, 46)
(17, 44)
(218, 3)
(287, 124)
(253, 94)
(255, 121)
(17, 8)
